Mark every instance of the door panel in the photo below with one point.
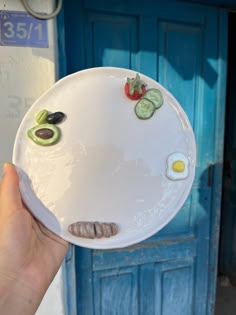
(116, 290)
(180, 61)
(114, 38)
(177, 288)
(179, 45)
(160, 288)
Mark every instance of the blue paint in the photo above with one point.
(21, 29)
(116, 290)
(69, 283)
(216, 193)
(183, 46)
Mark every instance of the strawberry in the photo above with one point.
(135, 88)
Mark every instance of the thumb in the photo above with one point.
(10, 197)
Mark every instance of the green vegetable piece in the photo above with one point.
(155, 96)
(41, 116)
(36, 134)
(136, 84)
(144, 109)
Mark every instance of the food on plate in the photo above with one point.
(51, 118)
(55, 118)
(44, 134)
(155, 96)
(41, 117)
(144, 109)
(146, 106)
(135, 88)
(177, 166)
(93, 229)
(148, 100)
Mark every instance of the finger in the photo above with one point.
(10, 198)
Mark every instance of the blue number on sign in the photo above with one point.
(21, 29)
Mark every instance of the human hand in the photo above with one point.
(30, 255)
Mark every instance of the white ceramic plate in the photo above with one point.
(109, 166)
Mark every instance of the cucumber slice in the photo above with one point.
(144, 109)
(155, 96)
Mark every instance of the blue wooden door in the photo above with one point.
(183, 46)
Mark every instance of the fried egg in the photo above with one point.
(177, 166)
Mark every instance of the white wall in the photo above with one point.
(25, 73)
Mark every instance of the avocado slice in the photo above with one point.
(44, 134)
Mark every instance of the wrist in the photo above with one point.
(16, 297)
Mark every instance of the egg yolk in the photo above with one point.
(178, 166)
